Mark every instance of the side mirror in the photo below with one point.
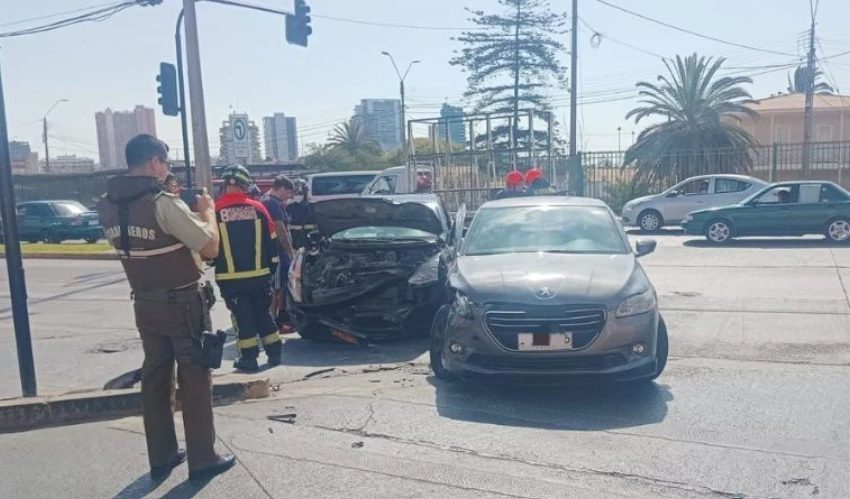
(673, 194)
(644, 247)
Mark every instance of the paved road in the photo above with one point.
(755, 401)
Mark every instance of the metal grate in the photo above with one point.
(584, 322)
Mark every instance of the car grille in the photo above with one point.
(585, 322)
(541, 363)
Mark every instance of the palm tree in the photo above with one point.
(351, 136)
(698, 132)
(797, 85)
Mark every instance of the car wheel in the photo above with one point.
(312, 331)
(650, 221)
(50, 237)
(436, 350)
(92, 239)
(838, 230)
(718, 232)
(662, 349)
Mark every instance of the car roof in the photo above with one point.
(424, 198)
(49, 201)
(733, 176)
(543, 201)
(344, 173)
(805, 182)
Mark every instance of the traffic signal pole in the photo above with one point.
(14, 263)
(298, 30)
(181, 87)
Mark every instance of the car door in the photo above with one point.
(809, 215)
(690, 196)
(728, 191)
(34, 218)
(765, 215)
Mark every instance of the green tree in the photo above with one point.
(698, 128)
(511, 59)
(797, 83)
(351, 136)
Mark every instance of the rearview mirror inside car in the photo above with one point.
(645, 247)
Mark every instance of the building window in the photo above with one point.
(824, 133)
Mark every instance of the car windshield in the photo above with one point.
(69, 209)
(555, 229)
(340, 184)
(383, 233)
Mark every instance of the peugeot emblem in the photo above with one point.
(544, 293)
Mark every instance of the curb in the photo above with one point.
(65, 256)
(38, 412)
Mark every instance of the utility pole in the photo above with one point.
(810, 98)
(619, 143)
(196, 95)
(575, 173)
(401, 77)
(14, 264)
(44, 135)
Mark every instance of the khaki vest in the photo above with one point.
(152, 260)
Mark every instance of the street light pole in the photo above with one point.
(44, 134)
(401, 77)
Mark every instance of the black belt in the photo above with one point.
(186, 294)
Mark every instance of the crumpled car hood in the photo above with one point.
(336, 215)
(535, 278)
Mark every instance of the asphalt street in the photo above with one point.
(755, 401)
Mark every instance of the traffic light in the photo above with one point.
(167, 89)
(298, 25)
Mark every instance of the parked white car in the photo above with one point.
(335, 185)
(671, 207)
(395, 180)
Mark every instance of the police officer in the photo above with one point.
(160, 242)
(247, 260)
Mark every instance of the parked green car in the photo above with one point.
(782, 209)
(57, 221)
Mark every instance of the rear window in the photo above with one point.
(830, 194)
(69, 209)
(340, 184)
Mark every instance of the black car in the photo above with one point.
(373, 270)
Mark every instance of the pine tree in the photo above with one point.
(512, 60)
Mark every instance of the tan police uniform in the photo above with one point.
(158, 243)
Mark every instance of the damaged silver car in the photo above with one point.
(373, 270)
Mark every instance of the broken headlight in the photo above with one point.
(462, 306)
(427, 273)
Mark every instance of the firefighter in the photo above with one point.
(537, 183)
(513, 186)
(246, 262)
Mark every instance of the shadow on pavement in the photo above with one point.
(767, 243)
(662, 232)
(299, 352)
(145, 485)
(575, 408)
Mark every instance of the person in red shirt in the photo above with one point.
(247, 260)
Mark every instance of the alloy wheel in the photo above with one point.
(649, 221)
(839, 230)
(718, 232)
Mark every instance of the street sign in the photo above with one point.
(239, 128)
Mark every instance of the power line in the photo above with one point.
(57, 14)
(690, 32)
(619, 42)
(97, 15)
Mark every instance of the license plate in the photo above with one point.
(92, 222)
(545, 341)
(342, 335)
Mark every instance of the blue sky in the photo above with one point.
(248, 66)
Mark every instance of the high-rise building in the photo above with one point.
(381, 121)
(453, 117)
(115, 129)
(24, 160)
(280, 136)
(240, 140)
(70, 164)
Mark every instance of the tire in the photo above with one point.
(718, 232)
(312, 331)
(48, 236)
(838, 230)
(437, 344)
(650, 221)
(662, 349)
